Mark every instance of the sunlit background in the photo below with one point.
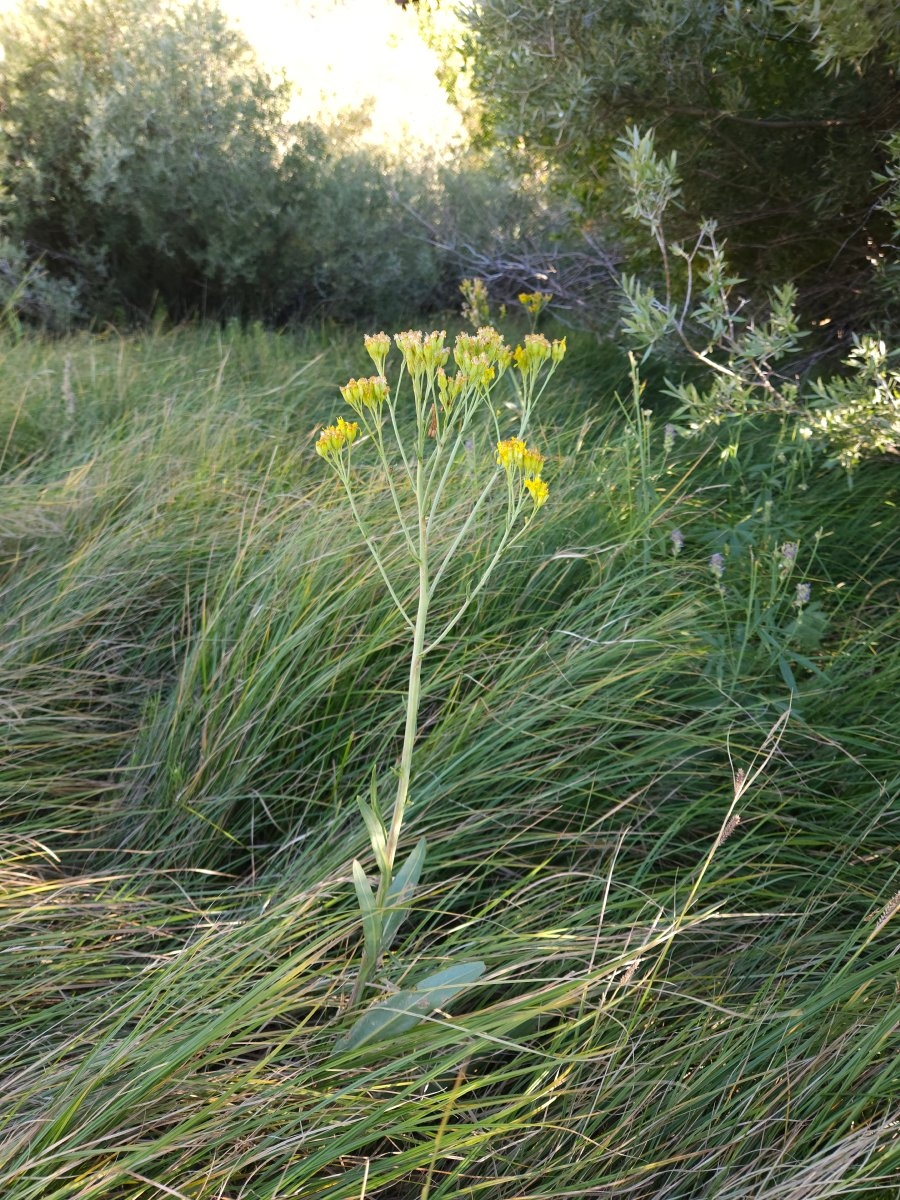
(344, 54)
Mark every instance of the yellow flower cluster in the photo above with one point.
(476, 307)
(533, 302)
(513, 455)
(539, 491)
(377, 347)
(334, 438)
(368, 393)
(476, 353)
(481, 372)
(516, 458)
(536, 351)
(422, 353)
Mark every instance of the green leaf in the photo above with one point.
(405, 1009)
(371, 917)
(787, 674)
(377, 833)
(400, 892)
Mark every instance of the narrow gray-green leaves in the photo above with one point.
(405, 1009)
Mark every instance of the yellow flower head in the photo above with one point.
(422, 353)
(533, 302)
(539, 491)
(532, 462)
(535, 351)
(558, 350)
(377, 346)
(366, 393)
(449, 388)
(480, 373)
(511, 454)
(410, 346)
(489, 339)
(522, 462)
(434, 353)
(333, 438)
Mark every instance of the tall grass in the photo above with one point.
(198, 667)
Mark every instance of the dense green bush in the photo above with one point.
(698, 311)
(28, 291)
(361, 250)
(142, 152)
(781, 152)
(146, 164)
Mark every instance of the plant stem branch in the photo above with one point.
(413, 694)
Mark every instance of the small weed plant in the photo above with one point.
(416, 462)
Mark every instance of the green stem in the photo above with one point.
(441, 455)
(505, 542)
(412, 697)
(485, 492)
(378, 439)
(345, 480)
(399, 440)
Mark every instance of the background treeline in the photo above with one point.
(148, 164)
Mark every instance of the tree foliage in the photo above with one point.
(147, 164)
(782, 153)
(144, 152)
(848, 31)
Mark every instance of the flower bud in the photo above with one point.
(333, 438)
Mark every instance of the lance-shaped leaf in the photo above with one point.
(371, 917)
(375, 825)
(377, 833)
(399, 894)
(405, 1009)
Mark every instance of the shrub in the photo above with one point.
(28, 292)
(778, 149)
(360, 250)
(699, 308)
(142, 154)
(146, 162)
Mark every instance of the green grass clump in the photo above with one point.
(199, 667)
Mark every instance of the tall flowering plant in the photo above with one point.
(448, 402)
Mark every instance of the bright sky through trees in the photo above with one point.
(342, 53)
